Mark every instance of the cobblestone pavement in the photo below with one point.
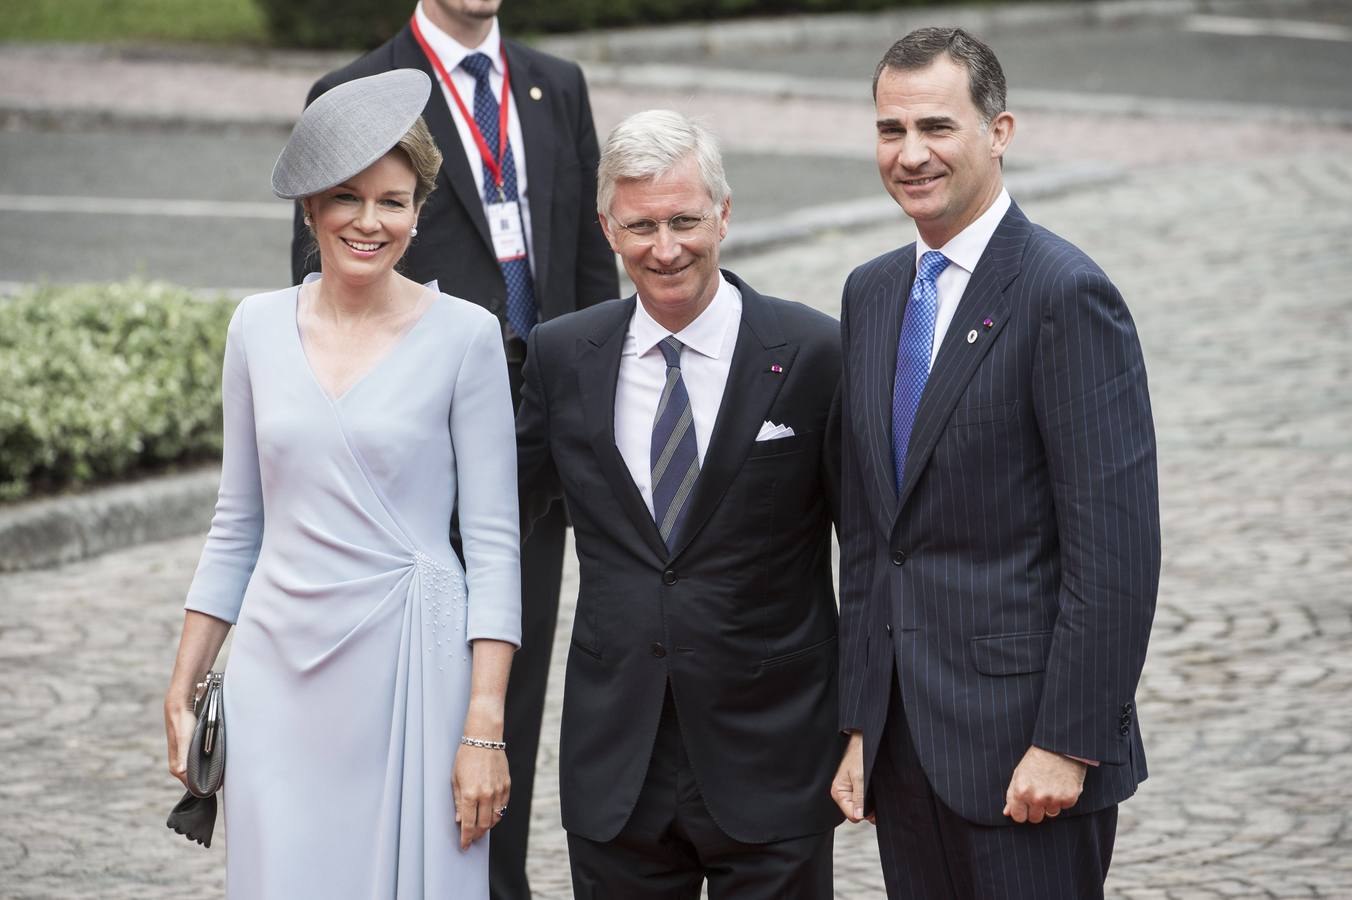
(1237, 269)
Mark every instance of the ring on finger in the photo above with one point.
(502, 811)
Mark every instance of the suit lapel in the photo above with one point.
(958, 357)
(598, 372)
(463, 175)
(538, 135)
(886, 307)
(747, 397)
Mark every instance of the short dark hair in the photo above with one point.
(921, 47)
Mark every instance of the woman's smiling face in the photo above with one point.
(363, 226)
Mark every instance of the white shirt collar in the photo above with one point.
(704, 335)
(450, 51)
(965, 247)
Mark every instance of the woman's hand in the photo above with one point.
(198, 645)
(480, 782)
(481, 787)
(179, 724)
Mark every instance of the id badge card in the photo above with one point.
(504, 224)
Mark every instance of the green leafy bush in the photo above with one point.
(100, 381)
(334, 23)
(578, 15)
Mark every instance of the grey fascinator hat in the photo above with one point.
(347, 129)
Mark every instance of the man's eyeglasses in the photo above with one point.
(681, 223)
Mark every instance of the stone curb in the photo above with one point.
(752, 237)
(856, 90)
(665, 58)
(58, 530)
(693, 40)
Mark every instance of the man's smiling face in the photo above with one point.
(675, 272)
(936, 156)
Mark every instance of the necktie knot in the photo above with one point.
(671, 349)
(477, 64)
(932, 265)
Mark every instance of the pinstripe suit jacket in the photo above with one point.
(1009, 583)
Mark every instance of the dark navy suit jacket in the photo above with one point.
(1009, 583)
(738, 617)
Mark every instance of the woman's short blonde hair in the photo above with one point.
(422, 153)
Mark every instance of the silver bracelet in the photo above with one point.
(487, 745)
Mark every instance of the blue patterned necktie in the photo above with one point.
(913, 355)
(521, 313)
(674, 456)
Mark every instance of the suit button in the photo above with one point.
(658, 650)
(1127, 707)
(889, 628)
(1124, 730)
(669, 577)
(495, 304)
(899, 558)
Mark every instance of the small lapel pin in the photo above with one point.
(971, 336)
(777, 369)
(536, 93)
(988, 322)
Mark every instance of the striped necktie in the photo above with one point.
(674, 456)
(914, 348)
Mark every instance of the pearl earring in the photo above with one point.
(413, 232)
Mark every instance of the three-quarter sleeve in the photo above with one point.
(236, 534)
(483, 434)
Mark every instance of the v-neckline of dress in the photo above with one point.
(373, 368)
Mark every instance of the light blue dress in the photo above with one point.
(349, 672)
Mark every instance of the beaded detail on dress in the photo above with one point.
(444, 608)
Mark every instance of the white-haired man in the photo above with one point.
(693, 430)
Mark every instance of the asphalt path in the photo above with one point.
(1228, 59)
(195, 208)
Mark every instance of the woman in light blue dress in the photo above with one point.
(360, 410)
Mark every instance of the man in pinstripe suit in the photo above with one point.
(1000, 529)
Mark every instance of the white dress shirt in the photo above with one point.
(451, 52)
(963, 251)
(705, 362)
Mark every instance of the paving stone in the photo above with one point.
(1236, 268)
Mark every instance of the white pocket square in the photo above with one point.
(769, 431)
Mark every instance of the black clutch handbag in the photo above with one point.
(194, 816)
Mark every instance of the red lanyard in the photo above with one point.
(494, 163)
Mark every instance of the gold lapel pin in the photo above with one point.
(536, 93)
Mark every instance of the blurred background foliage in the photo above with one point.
(355, 24)
(213, 21)
(99, 382)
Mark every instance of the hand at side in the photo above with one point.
(847, 788)
(1043, 784)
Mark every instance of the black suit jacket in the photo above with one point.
(574, 266)
(741, 618)
(1010, 583)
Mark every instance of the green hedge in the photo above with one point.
(99, 382)
(334, 23)
(580, 15)
(366, 23)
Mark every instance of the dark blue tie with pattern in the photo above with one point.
(521, 313)
(914, 348)
(674, 455)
